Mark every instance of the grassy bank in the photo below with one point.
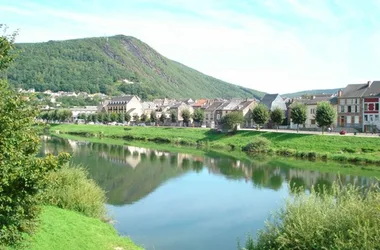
(337, 148)
(64, 229)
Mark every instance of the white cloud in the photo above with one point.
(257, 52)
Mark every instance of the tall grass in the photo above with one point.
(340, 218)
(70, 188)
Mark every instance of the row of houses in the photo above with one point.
(357, 107)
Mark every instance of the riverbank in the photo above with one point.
(63, 229)
(306, 146)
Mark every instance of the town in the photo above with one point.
(356, 106)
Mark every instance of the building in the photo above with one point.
(371, 112)
(311, 108)
(273, 101)
(210, 110)
(83, 110)
(123, 104)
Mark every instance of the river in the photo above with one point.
(170, 200)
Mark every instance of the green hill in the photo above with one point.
(311, 92)
(113, 65)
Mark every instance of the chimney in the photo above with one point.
(369, 84)
(339, 93)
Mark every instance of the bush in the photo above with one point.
(347, 218)
(70, 188)
(258, 145)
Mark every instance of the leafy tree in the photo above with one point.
(94, 118)
(277, 116)
(198, 115)
(127, 117)
(121, 117)
(232, 120)
(107, 117)
(114, 117)
(153, 116)
(186, 116)
(324, 115)
(143, 118)
(88, 118)
(173, 116)
(22, 174)
(82, 116)
(298, 114)
(162, 117)
(136, 118)
(7, 55)
(260, 114)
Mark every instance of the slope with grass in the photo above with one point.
(113, 65)
(61, 229)
(339, 148)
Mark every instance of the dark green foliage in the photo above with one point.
(186, 116)
(198, 115)
(325, 115)
(277, 116)
(298, 114)
(231, 120)
(330, 217)
(260, 114)
(113, 65)
(121, 117)
(127, 117)
(258, 145)
(7, 54)
(153, 116)
(61, 115)
(162, 117)
(173, 116)
(21, 173)
(144, 118)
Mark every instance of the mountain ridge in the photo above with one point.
(114, 65)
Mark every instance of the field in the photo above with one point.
(338, 148)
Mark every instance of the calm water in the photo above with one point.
(169, 201)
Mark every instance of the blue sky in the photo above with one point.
(276, 46)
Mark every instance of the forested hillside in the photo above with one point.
(113, 65)
(311, 92)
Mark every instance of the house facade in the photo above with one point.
(123, 104)
(371, 112)
(209, 111)
(311, 108)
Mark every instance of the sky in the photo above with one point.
(276, 46)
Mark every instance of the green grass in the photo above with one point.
(338, 148)
(61, 229)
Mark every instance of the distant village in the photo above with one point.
(357, 108)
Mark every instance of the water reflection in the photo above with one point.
(130, 173)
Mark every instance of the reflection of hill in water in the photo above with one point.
(128, 173)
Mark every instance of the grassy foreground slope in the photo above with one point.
(61, 229)
(340, 148)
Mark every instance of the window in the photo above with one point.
(342, 109)
(217, 116)
(365, 106)
(206, 116)
(366, 118)
(349, 101)
(341, 101)
(357, 101)
(356, 119)
(348, 119)
(312, 121)
(376, 117)
(312, 111)
(376, 106)
(356, 108)
(349, 109)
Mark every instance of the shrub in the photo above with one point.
(368, 150)
(70, 188)
(345, 218)
(258, 145)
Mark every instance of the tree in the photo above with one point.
(324, 115)
(298, 114)
(153, 116)
(231, 120)
(7, 48)
(127, 117)
(120, 117)
(277, 116)
(114, 117)
(198, 115)
(143, 118)
(173, 116)
(260, 114)
(162, 117)
(136, 118)
(22, 173)
(186, 116)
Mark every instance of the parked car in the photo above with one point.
(342, 132)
